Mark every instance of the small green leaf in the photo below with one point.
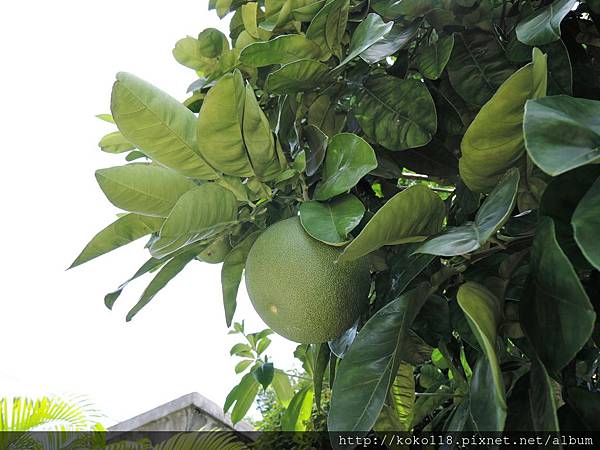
(264, 374)
(348, 159)
(199, 214)
(298, 411)
(494, 213)
(370, 31)
(543, 26)
(281, 50)
(432, 58)
(243, 365)
(398, 114)
(146, 189)
(368, 369)
(422, 212)
(555, 312)
(115, 143)
(282, 387)
(331, 222)
(159, 125)
(494, 141)
(241, 397)
(106, 118)
(231, 274)
(123, 231)
(263, 344)
(298, 76)
(586, 223)
(484, 314)
(561, 133)
(240, 349)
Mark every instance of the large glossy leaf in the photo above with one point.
(220, 136)
(484, 314)
(556, 314)
(115, 143)
(397, 411)
(231, 274)
(541, 399)
(331, 222)
(494, 141)
(398, 114)
(348, 159)
(586, 224)
(199, 214)
(477, 67)
(241, 397)
(370, 31)
(543, 26)
(142, 188)
(159, 125)
(124, 230)
(394, 40)
(561, 133)
(433, 57)
(298, 411)
(494, 213)
(258, 138)
(281, 50)
(368, 369)
(410, 216)
(328, 26)
(298, 76)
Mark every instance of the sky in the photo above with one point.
(59, 62)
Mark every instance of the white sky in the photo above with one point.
(59, 59)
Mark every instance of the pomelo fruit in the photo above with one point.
(298, 288)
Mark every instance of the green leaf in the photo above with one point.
(403, 395)
(348, 159)
(220, 136)
(281, 50)
(106, 118)
(556, 314)
(370, 31)
(146, 189)
(115, 143)
(484, 314)
(241, 397)
(494, 213)
(199, 214)
(398, 114)
(432, 58)
(397, 8)
(212, 43)
(561, 133)
(166, 274)
(543, 26)
(322, 114)
(240, 350)
(298, 76)
(477, 67)
(321, 362)
(315, 153)
(494, 141)
(158, 125)
(369, 367)
(134, 155)
(397, 38)
(264, 374)
(329, 25)
(422, 212)
(298, 411)
(188, 53)
(541, 399)
(282, 387)
(586, 223)
(331, 222)
(124, 230)
(231, 274)
(243, 365)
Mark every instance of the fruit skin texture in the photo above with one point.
(299, 290)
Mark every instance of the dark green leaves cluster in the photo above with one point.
(453, 144)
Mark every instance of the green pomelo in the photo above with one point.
(298, 288)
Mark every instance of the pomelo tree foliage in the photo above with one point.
(454, 143)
